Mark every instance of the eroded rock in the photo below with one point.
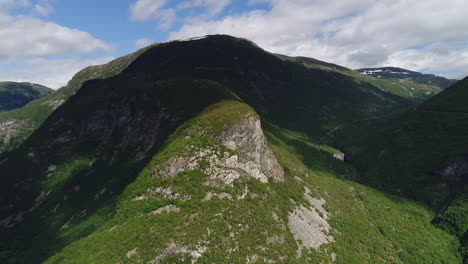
(250, 158)
(174, 249)
(308, 226)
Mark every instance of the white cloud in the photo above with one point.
(143, 10)
(5, 4)
(214, 7)
(51, 73)
(158, 10)
(44, 7)
(27, 43)
(143, 42)
(27, 36)
(147, 10)
(354, 33)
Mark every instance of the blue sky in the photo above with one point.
(109, 20)
(47, 41)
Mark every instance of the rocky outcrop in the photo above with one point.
(249, 157)
(121, 117)
(457, 171)
(9, 131)
(340, 156)
(309, 225)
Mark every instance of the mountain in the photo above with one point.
(15, 95)
(378, 97)
(399, 74)
(17, 125)
(422, 154)
(187, 155)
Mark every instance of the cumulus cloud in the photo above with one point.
(51, 73)
(28, 36)
(159, 11)
(12, 3)
(28, 42)
(44, 7)
(214, 7)
(143, 10)
(143, 42)
(420, 34)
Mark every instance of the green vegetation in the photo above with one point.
(399, 74)
(368, 226)
(404, 87)
(455, 221)
(32, 115)
(422, 155)
(89, 185)
(15, 95)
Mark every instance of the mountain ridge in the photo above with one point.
(17, 94)
(416, 77)
(175, 159)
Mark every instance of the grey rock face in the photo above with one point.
(252, 157)
(9, 130)
(457, 171)
(118, 117)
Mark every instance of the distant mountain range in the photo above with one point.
(17, 94)
(393, 73)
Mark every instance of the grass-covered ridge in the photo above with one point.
(29, 117)
(249, 221)
(98, 178)
(405, 88)
(422, 154)
(325, 95)
(15, 95)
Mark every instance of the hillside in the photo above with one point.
(325, 93)
(17, 125)
(399, 74)
(15, 94)
(187, 155)
(422, 154)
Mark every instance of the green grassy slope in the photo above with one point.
(410, 153)
(317, 89)
(77, 175)
(422, 154)
(319, 100)
(86, 156)
(405, 88)
(15, 95)
(368, 226)
(28, 118)
(397, 74)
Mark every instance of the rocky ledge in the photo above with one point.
(247, 155)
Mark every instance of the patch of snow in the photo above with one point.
(370, 72)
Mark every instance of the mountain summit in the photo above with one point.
(209, 150)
